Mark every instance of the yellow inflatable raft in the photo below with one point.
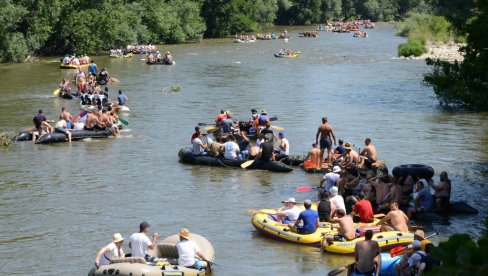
(267, 225)
(72, 66)
(386, 240)
(129, 55)
(166, 253)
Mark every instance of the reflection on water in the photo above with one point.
(61, 202)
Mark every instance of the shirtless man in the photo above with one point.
(325, 132)
(367, 256)
(382, 193)
(397, 218)
(80, 80)
(91, 121)
(346, 230)
(369, 153)
(395, 192)
(107, 120)
(65, 115)
(314, 155)
(442, 191)
(61, 127)
(351, 157)
(253, 151)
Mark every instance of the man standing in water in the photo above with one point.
(366, 254)
(325, 132)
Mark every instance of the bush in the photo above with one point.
(413, 47)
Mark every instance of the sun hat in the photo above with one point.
(290, 200)
(348, 146)
(263, 111)
(416, 244)
(334, 191)
(117, 237)
(336, 169)
(184, 233)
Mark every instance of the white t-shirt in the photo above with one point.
(187, 251)
(293, 213)
(197, 146)
(338, 202)
(230, 150)
(287, 146)
(331, 179)
(139, 243)
(112, 253)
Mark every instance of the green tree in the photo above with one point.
(465, 83)
(333, 9)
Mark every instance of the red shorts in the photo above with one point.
(81, 86)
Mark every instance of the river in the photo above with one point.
(61, 203)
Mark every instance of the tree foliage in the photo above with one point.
(465, 83)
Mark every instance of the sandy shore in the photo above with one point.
(448, 52)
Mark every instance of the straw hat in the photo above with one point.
(117, 237)
(348, 146)
(184, 233)
(263, 111)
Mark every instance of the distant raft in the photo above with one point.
(59, 137)
(162, 62)
(186, 156)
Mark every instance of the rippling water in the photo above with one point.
(60, 204)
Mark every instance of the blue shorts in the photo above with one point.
(325, 143)
(198, 265)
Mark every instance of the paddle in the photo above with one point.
(251, 211)
(339, 270)
(303, 189)
(123, 121)
(397, 250)
(247, 164)
(211, 129)
(56, 92)
(278, 128)
(114, 80)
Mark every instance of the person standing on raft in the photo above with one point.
(326, 134)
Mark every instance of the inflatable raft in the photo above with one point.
(129, 55)
(294, 55)
(454, 208)
(59, 137)
(418, 170)
(186, 156)
(268, 225)
(163, 62)
(72, 66)
(166, 254)
(386, 240)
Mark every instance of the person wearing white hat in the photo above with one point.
(188, 252)
(424, 201)
(110, 251)
(289, 212)
(331, 178)
(336, 200)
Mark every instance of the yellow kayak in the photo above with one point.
(267, 225)
(72, 66)
(386, 240)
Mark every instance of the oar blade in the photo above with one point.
(123, 121)
(247, 164)
(278, 128)
(395, 251)
(337, 271)
(56, 92)
(303, 189)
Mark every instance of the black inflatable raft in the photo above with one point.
(419, 170)
(162, 62)
(59, 137)
(186, 156)
(454, 208)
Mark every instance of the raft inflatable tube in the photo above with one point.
(418, 170)
(75, 135)
(164, 62)
(122, 108)
(186, 156)
(72, 66)
(23, 136)
(386, 240)
(294, 55)
(267, 225)
(166, 253)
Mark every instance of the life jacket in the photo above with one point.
(263, 119)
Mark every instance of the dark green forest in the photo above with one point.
(42, 27)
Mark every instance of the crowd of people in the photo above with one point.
(119, 52)
(75, 60)
(244, 38)
(286, 52)
(309, 34)
(157, 57)
(141, 49)
(189, 253)
(226, 144)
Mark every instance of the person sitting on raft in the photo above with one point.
(227, 125)
(103, 77)
(367, 256)
(364, 209)
(222, 116)
(66, 60)
(231, 149)
(369, 153)
(345, 231)
(110, 251)
(244, 144)
(340, 150)
(158, 56)
(197, 134)
(266, 150)
(139, 242)
(284, 148)
(442, 191)
(398, 220)
(64, 86)
(309, 218)
(424, 201)
(199, 147)
(188, 252)
(109, 123)
(314, 155)
(351, 158)
(289, 212)
(92, 122)
(122, 99)
(261, 121)
(168, 57)
(324, 207)
(61, 127)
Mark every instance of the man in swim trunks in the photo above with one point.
(61, 127)
(314, 155)
(369, 153)
(398, 219)
(367, 256)
(325, 132)
(65, 115)
(93, 68)
(345, 231)
(91, 121)
(80, 80)
(41, 124)
(442, 191)
(107, 120)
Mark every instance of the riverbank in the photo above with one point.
(443, 51)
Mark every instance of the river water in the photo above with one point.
(61, 203)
